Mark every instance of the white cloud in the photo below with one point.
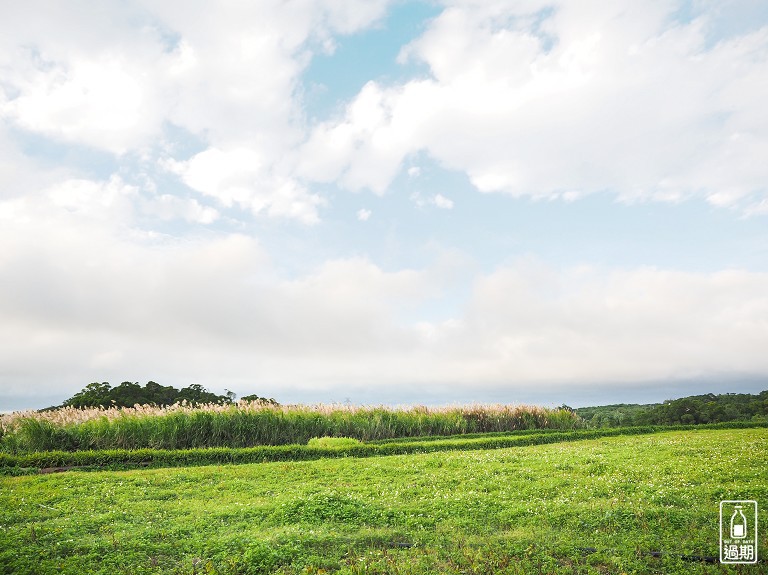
(532, 323)
(442, 202)
(170, 207)
(94, 297)
(758, 208)
(90, 77)
(362, 150)
(241, 177)
(437, 200)
(85, 201)
(97, 103)
(596, 96)
(115, 79)
(90, 297)
(363, 214)
(238, 67)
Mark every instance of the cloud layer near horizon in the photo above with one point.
(217, 309)
(147, 152)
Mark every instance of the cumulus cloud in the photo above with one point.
(98, 103)
(442, 202)
(119, 78)
(83, 76)
(526, 98)
(364, 149)
(236, 84)
(564, 99)
(363, 214)
(242, 177)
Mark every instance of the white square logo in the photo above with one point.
(738, 532)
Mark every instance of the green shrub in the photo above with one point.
(333, 442)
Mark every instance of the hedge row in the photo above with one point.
(427, 438)
(10, 464)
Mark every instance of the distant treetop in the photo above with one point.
(128, 394)
(692, 410)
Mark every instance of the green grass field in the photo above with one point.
(592, 506)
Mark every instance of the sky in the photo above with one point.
(385, 202)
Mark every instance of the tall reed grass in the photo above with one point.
(248, 424)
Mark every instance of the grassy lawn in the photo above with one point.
(536, 509)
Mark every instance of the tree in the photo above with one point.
(254, 397)
(160, 394)
(196, 394)
(128, 394)
(93, 395)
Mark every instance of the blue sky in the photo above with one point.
(378, 201)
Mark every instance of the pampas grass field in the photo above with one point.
(247, 424)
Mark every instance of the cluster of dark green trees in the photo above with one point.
(696, 409)
(128, 394)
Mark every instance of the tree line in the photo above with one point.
(692, 410)
(128, 394)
